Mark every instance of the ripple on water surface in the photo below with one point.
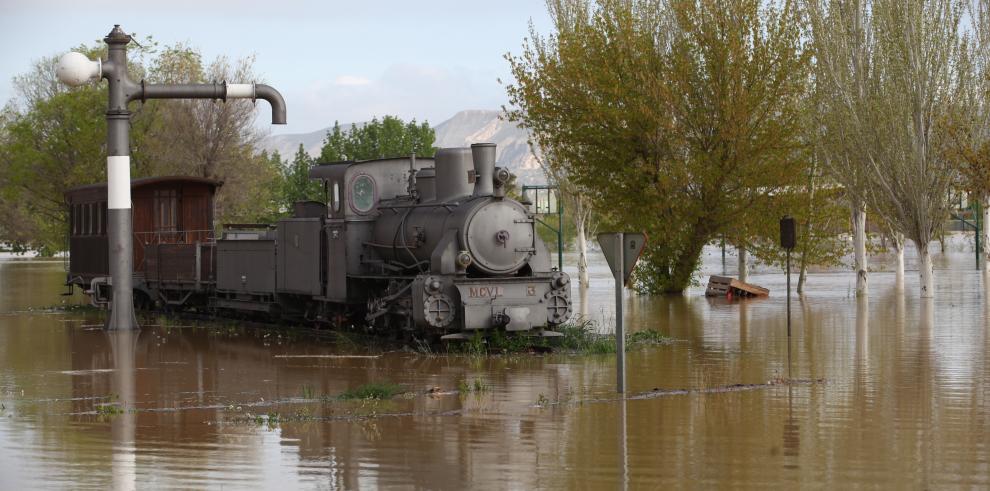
(894, 394)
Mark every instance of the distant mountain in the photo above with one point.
(463, 129)
(313, 141)
(482, 126)
(287, 144)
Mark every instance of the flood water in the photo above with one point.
(894, 394)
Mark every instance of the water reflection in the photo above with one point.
(123, 345)
(623, 433)
(904, 405)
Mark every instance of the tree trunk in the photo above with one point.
(684, 267)
(582, 250)
(925, 270)
(802, 277)
(805, 241)
(899, 259)
(985, 224)
(859, 247)
(743, 268)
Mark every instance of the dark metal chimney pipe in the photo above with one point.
(264, 92)
(216, 90)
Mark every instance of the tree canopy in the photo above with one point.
(53, 138)
(679, 118)
(388, 137)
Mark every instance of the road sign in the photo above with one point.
(632, 245)
(621, 250)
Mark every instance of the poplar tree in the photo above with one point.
(888, 110)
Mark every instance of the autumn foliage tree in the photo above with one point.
(680, 118)
(967, 131)
(53, 137)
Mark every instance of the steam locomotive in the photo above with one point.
(415, 244)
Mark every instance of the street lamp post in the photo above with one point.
(75, 69)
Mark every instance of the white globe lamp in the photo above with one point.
(74, 69)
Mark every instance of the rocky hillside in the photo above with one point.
(463, 129)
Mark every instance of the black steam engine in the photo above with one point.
(428, 245)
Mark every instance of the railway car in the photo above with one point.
(174, 246)
(407, 244)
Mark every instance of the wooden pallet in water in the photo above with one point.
(727, 286)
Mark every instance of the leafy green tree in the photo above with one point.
(53, 138)
(679, 118)
(389, 137)
(296, 184)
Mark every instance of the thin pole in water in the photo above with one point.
(620, 337)
(560, 232)
(788, 293)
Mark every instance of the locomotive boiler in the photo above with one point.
(425, 245)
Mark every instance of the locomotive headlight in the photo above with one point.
(464, 259)
(501, 176)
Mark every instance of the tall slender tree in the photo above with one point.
(578, 205)
(892, 66)
(843, 46)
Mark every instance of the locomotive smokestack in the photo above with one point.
(483, 155)
(453, 166)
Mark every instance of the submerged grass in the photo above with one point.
(372, 390)
(478, 386)
(308, 392)
(578, 338)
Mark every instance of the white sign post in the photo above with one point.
(622, 250)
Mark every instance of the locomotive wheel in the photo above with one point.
(439, 310)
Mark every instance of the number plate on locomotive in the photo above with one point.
(486, 291)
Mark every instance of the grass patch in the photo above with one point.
(109, 410)
(477, 386)
(578, 338)
(67, 307)
(308, 392)
(373, 390)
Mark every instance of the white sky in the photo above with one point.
(332, 60)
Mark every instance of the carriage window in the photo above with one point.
(102, 219)
(87, 219)
(166, 210)
(362, 193)
(335, 197)
(74, 218)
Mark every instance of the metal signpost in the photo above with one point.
(76, 69)
(621, 250)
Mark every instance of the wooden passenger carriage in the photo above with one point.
(174, 241)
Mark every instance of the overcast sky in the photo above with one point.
(332, 60)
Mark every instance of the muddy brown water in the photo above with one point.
(903, 405)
